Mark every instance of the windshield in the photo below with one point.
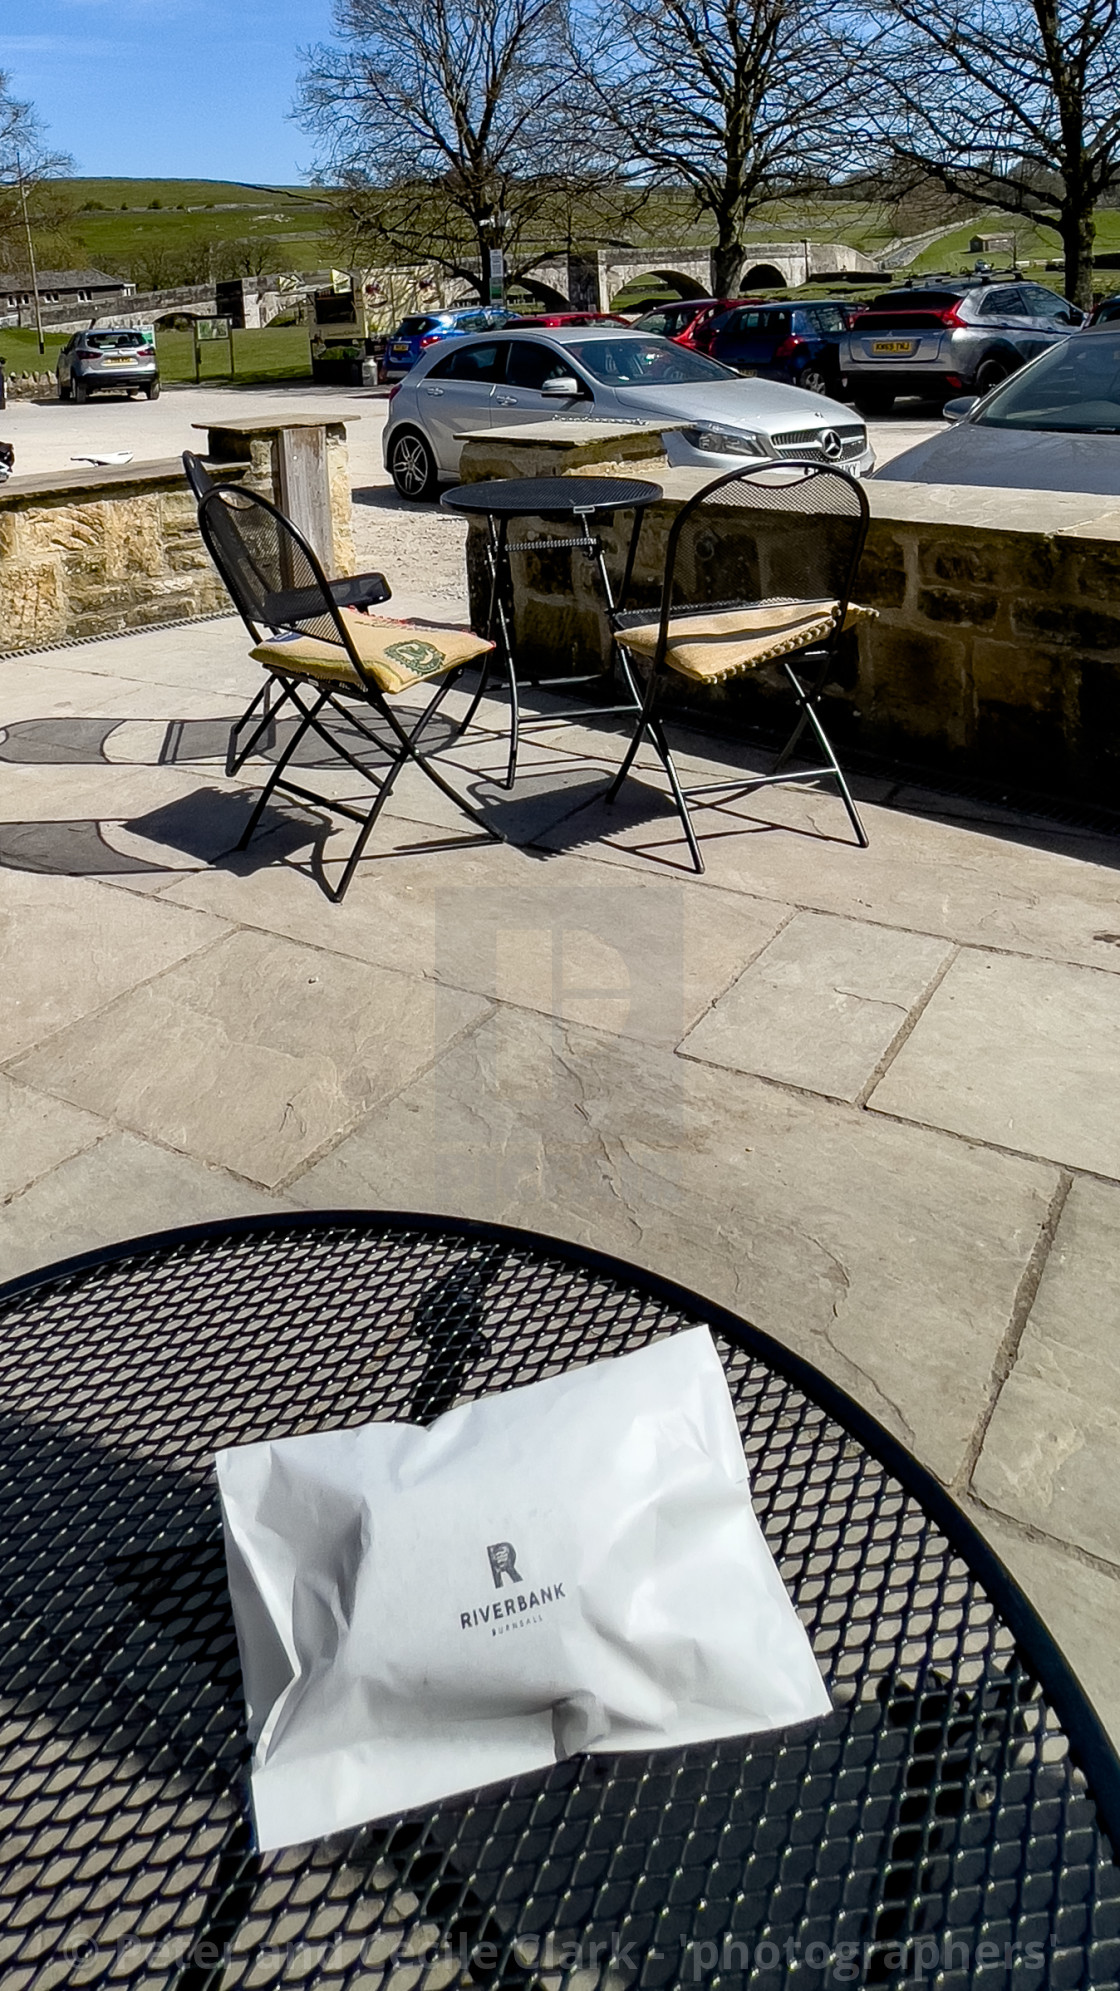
(646, 363)
(1074, 387)
(101, 341)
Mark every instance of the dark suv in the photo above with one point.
(949, 335)
(799, 343)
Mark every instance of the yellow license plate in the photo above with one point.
(124, 359)
(892, 345)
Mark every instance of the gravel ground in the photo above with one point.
(417, 546)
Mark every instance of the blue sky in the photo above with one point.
(166, 88)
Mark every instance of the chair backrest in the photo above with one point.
(274, 578)
(765, 534)
(198, 477)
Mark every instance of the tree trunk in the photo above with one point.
(1078, 232)
(727, 266)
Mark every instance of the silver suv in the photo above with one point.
(949, 335)
(107, 361)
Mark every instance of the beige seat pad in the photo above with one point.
(396, 654)
(708, 644)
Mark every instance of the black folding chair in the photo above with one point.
(355, 590)
(759, 569)
(330, 661)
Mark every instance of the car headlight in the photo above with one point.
(723, 442)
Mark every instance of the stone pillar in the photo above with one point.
(302, 463)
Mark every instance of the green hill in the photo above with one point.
(164, 231)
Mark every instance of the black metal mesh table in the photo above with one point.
(556, 500)
(944, 1825)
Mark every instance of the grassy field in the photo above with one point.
(124, 225)
(280, 353)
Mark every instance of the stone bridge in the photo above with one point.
(592, 282)
(262, 299)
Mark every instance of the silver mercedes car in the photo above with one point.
(720, 421)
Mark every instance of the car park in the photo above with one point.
(1054, 427)
(422, 329)
(799, 343)
(942, 336)
(108, 360)
(713, 419)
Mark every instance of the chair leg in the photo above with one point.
(236, 755)
(649, 723)
(276, 776)
(807, 699)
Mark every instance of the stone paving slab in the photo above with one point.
(890, 1258)
(821, 1006)
(1052, 1450)
(120, 1188)
(36, 1134)
(971, 886)
(643, 957)
(253, 1055)
(1023, 1053)
(70, 945)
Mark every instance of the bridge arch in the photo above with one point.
(678, 282)
(544, 294)
(763, 276)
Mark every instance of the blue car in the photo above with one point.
(422, 329)
(798, 343)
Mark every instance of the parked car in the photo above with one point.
(539, 320)
(795, 342)
(949, 335)
(693, 324)
(719, 422)
(1054, 427)
(422, 329)
(108, 361)
(1109, 307)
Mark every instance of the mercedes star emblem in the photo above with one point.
(831, 444)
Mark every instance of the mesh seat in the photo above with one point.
(759, 570)
(317, 645)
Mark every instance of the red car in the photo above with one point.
(693, 322)
(537, 320)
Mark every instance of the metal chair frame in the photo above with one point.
(807, 690)
(356, 590)
(286, 611)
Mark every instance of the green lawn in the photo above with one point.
(278, 353)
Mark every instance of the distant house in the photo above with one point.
(62, 287)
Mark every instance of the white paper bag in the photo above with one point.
(571, 1566)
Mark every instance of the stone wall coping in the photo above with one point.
(562, 433)
(94, 478)
(246, 425)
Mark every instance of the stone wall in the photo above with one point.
(95, 552)
(996, 647)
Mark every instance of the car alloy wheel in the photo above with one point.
(813, 381)
(989, 375)
(412, 466)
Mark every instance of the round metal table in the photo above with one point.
(583, 501)
(944, 1825)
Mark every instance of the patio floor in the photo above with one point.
(869, 1099)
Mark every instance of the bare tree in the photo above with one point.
(728, 100)
(28, 195)
(448, 127)
(1014, 104)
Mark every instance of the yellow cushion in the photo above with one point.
(396, 654)
(709, 644)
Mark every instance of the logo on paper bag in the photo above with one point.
(503, 1563)
(515, 1613)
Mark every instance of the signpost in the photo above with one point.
(497, 277)
(206, 332)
